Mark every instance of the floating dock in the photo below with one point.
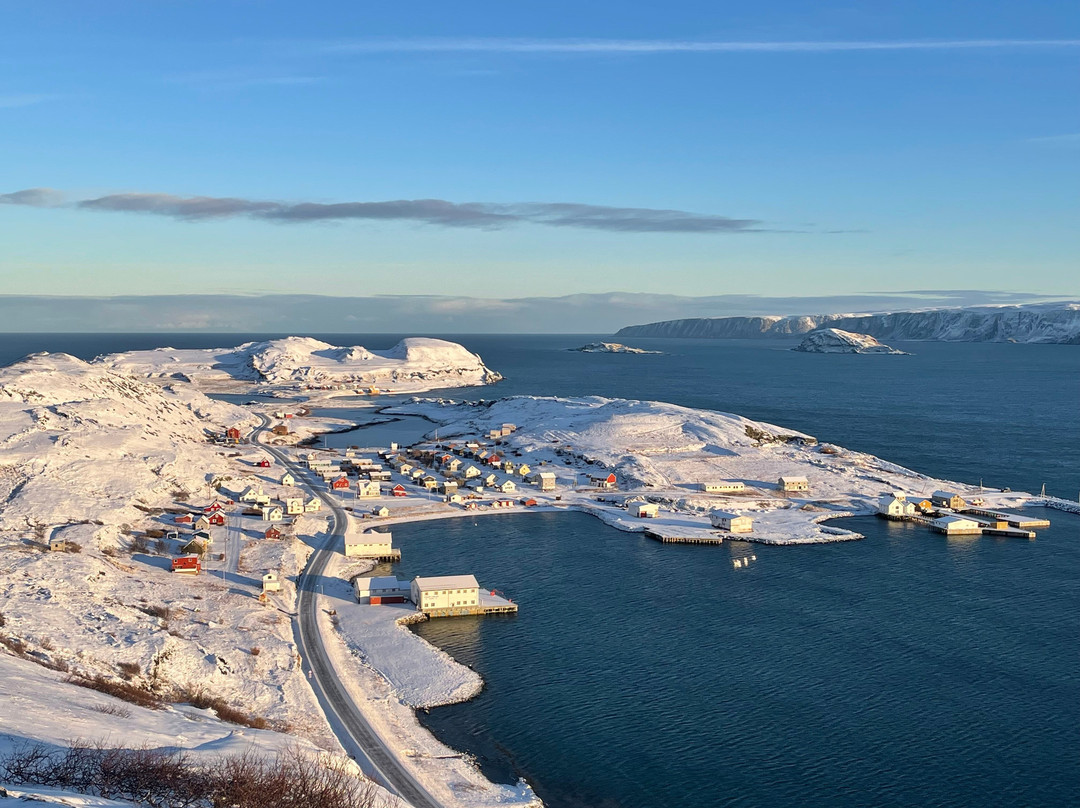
(684, 539)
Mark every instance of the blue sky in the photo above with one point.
(692, 148)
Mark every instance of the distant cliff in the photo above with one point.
(1044, 322)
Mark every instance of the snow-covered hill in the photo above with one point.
(834, 340)
(1043, 322)
(414, 364)
(611, 347)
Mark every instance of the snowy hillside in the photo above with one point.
(1043, 322)
(834, 340)
(413, 364)
(611, 347)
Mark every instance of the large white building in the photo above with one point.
(367, 488)
(957, 526)
(445, 592)
(725, 487)
(895, 505)
(731, 522)
(369, 544)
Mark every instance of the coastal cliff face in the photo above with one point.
(1050, 323)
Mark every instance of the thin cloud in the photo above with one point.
(26, 99)
(1070, 141)
(659, 46)
(438, 212)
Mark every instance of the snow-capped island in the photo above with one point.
(286, 366)
(835, 340)
(611, 347)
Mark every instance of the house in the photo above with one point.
(956, 526)
(263, 464)
(399, 491)
(202, 523)
(280, 429)
(731, 522)
(645, 510)
(416, 474)
(509, 466)
(523, 471)
(922, 505)
(405, 469)
(490, 480)
(895, 506)
(429, 483)
(294, 505)
(380, 511)
(213, 507)
(271, 582)
(381, 589)
(57, 545)
(494, 460)
(793, 484)
(948, 499)
(453, 464)
(369, 544)
(272, 513)
(448, 487)
(233, 434)
(367, 488)
(445, 592)
(288, 480)
(476, 485)
(507, 486)
(217, 519)
(189, 564)
(272, 533)
(604, 481)
(546, 480)
(196, 546)
(726, 487)
(472, 471)
(503, 503)
(251, 494)
(313, 505)
(508, 428)
(529, 503)
(340, 484)
(183, 519)
(455, 498)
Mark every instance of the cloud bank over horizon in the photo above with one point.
(438, 212)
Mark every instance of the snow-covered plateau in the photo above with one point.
(1039, 322)
(294, 363)
(611, 347)
(834, 340)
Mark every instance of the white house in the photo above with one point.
(369, 544)
(731, 522)
(472, 471)
(793, 484)
(445, 592)
(313, 505)
(546, 480)
(455, 498)
(956, 525)
(895, 505)
(490, 480)
(645, 510)
(380, 589)
(251, 494)
(367, 488)
(272, 513)
(294, 505)
(725, 487)
(288, 480)
(271, 582)
(383, 511)
(508, 487)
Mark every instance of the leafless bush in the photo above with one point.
(118, 710)
(140, 545)
(121, 690)
(109, 551)
(1, 619)
(72, 547)
(155, 611)
(46, 644)
(129, 669)
(174, 780)
(256, 651)
(13, 644)
(225, 711)
(155, 533)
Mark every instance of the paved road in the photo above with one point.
(350, 726)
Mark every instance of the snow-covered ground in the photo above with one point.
(286, 366)
(611, 347)
(835, 340)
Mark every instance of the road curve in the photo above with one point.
(352, 729)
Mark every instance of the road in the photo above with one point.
(352, 729)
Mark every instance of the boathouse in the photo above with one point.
(380, 589)
(645, 510)
(731, 522)
(445, 592)
(371, 544)
(956, 526)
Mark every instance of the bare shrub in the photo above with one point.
(162, 612)
(155, 533)
(121, 690)
(72, 547)
(46, 644)
(129, 669)
(119, 710)
(13, 644)
(109, 551)
(140, 545)
(256, 651)
(226, 712)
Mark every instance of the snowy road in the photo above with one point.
(353, 731)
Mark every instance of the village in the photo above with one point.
(949, 513)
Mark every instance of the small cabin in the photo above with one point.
(188, 564)
(57, 545)
(645, 510)
(948, 499)
(288, 480)
(793, 484)
(455, 498)
(263, 464)
(271, 582)
(448, 487)
(272, 533)
(523, 471)
(731, 522)
(233, 434)
(399, 491)
(382, 511)
(183, 519)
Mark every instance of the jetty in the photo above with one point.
(490, 603)
(702, 539)
(1011, 519)
(987, 526)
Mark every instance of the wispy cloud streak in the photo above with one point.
(659, 46)
(438, 212)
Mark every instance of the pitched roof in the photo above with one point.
(447, 582)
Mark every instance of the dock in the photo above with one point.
(489, 604)
(988, 526)
(684, 539)
(1012, 519)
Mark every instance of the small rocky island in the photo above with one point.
(834, 340)
(611, 347)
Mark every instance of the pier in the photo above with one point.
(992, 526)
(1012, 519)
(489, 604)
(684, 539)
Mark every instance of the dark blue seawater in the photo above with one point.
(907, 669)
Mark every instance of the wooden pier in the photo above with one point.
(684, 539)
(1012, 519)
(464, 611)
(987, 526)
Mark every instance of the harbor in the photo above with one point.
(948, 513)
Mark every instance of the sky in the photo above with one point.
(507, 150)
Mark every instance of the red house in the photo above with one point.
(272, 533)
(212, 508)
(216, 518)
(233, 434)
(183, 519)
(341, 483)
(494, 460)
(189, 564)
(529, 503)
(399, 491)
(264, 464)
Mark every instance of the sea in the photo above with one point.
(906, 669)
